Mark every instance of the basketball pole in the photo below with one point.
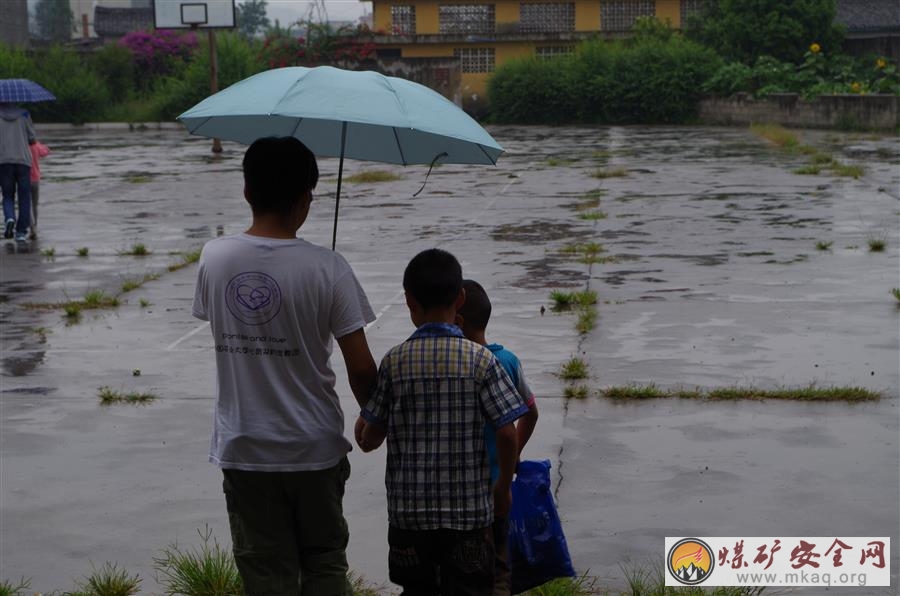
(214, 77)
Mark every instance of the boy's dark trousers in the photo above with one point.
(502, 576)
(442, 562)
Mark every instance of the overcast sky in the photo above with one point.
(287, 11)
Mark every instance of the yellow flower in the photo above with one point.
(815, 48)
(880, 63)
(856, 87)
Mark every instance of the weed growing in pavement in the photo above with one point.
(131, 283)
(8, 588)
(808, 170)
(603, 173)
(575, 391)
(109, 580)
(877, 244)
(809, 393)
(847, 171)
(373, 176)
(592, 215)
(98, 299)
(823, 245)
(144, 303)
(48, 253)
(574, 368)
(895, 292)
(187, 258)
(777, 134)
(585, 297)
(136, 250)
(651, 582)
(72, 312)
(83, 251)
(207, 570)
(139, 179)
(109, 396)
(562, 300)
(566, 586)
(587, 318)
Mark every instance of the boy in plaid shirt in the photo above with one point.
(434, 394)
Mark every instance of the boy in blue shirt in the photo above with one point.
(435, 393)
(473, 319)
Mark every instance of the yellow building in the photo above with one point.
(483, 34)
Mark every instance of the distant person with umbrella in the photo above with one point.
(16, 134)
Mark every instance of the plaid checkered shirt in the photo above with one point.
(435, 393)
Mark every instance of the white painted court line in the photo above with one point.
(187, 335)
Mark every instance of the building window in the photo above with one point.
(475, 59)
(466, 19)
(688, 8)
(548, 52)
(403, 20)
(546, 17)
(619, 15)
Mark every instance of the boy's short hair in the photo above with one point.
(433, 278)
(278, 171)
(476, 310)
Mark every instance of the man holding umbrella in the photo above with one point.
(16, 134)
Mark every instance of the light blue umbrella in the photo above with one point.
(341, 113)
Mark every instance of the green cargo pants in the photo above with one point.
(288, 531)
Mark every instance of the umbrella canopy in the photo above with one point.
(387, 119)
(23, 91)
(342, 113)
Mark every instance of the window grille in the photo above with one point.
(688, 8)
(546, 17)
(475, 59)
(547, 52)
(403, 20)
(466, 19)
(619, 15)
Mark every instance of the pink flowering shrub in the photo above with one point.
(156, 53)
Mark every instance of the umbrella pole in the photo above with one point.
(337, 200)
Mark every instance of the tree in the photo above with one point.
(54, 20)
(251, 18)
(785, 29)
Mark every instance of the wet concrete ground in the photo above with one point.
(717, 282)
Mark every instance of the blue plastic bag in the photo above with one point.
(537, 546)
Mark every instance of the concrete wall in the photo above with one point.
(869, 112)
(14, 24)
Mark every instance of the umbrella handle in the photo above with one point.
(337, 199)
(433, 161)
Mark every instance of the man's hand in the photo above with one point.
(358, 430)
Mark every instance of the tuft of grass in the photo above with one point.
(360, 587)
(42, 333)
(592, 215)
(72, 311)
(574, 368)
(603, 173)
(144, 303)
(373, 176)
(566, 586)
(130, 284)
(592, 248)
(587, 204)
(98, 299)
(822, 159)
(562, 300)
(811, 170)
(808, 150)
(847, 170)
(895, 292)
(877, 244)
(560, 161)
(136, 250)
(139, 179)
(187, 258)
(811, 392)
(777, 134)
(7, 588)
(207, 570)
(585, 297)
(109, 396)
(83, 251)
(109, 580)
(49, 252)
(823, 245)
(575, 391)
(587, 319)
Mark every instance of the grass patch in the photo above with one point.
(877, 244)
(576, 391)
(603, 173)
(109, 396)
(587, 204)
(208, 569)
(139, 179)
(136, 250)
(82, 252)
(593, 195)
(562, 300)
(587, 319)
(571, 249)
(187, 258)
(99, 299)
(847, 170)
(48, 253)
(822, 159)
(560, 161)
(809, 393)
(566, 586)
(7, 588)
(808, 150)
(895, 292)
(811, 170)
(592, 215)
(651, 582)
(575, 368)
(360, 587)
(585, 298)
(373, 176)
(144, 303)
(823, 245)
(776, 134)
(131, 283)
(109, 580)
(72, 311)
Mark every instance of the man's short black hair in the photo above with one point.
(476, 311)
(433, 278)
(278, 172)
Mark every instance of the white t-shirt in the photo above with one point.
(274, 306)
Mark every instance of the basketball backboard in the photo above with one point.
(194, 14)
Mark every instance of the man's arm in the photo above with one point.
(525, 426)
(507, 454)
(361, 370)
(369, 436)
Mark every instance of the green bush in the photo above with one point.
(81, 95)
(115, 66)
(650, 79)
(14, 63)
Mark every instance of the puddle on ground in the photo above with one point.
(704, 260)
(539, 231)
(22, 362)
(546, 273)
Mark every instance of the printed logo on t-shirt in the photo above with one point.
(253, 297)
